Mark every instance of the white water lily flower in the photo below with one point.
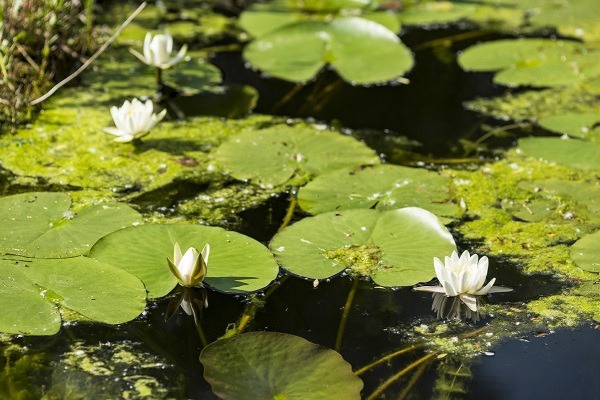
(189, 269)
(463, 277)
(158, 49)
(133, 120)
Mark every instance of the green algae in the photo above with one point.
(362, 259)
(531, 105)
(566, 310)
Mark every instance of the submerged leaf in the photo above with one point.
(270, 365)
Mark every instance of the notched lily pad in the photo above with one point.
(395, 248)
(533, 62)
(41, 225)
(586, 252)
(270, 365)
(383, 187)
(290, 155)
(573, 153)
(237, 263)
(360, 50)
(584, 125)
(32, 292)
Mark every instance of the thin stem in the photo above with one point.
(92, 58)
(325, 94)
(413, 380)
(452, 39)
(200, 331)
(159, 80)
(290, 211)
(288, 96)
(399, 375)
(387, 357)
(345, 313)
(494, 132)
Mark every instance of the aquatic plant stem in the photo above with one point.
(342, 327)
(413, 380)
(159, 80)
(388, 357)
(291, 208)
(399, 375)
(494, 132)
(288, 96)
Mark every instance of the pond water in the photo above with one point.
(537, 341)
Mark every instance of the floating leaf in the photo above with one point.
(577, 18)
(31, 291)
(534, 62)
(573, 153)
(383, 187)
(586, 252)
(362, 51)
(237, 263)
(287, 155)
(583, 192)
(269, 365)
(532, 211)
(395, 248)
(41, 225)
(577, 125)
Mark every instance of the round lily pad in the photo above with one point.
(383, 187)
(41, 225)
(533, 62)
(574, 153)
(269, 365)
(237, 263)
(573, 124)
(290, 155)
(360, 50)
(435, 12)
(395, 248)
(33, 291)
(586, 252)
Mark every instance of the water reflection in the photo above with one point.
(453, 308)
(192, 301)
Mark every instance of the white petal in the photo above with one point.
(499, 289)
(125, 138)
(435, 289)
(187, 263)
(449, 289)
(470, 301)
(486, 288)
(147, 50)
(205, 253)
(114, 131)
(176, 254)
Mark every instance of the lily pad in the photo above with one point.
(395, 248)
(535, 210)
(41, 225)
(584, 125)
(533, 62)
(586, 252)
(583, 192)
(270, 365)
(237, 263)
(288, 155)
(360, 50)
(383, 187)
(34, 291)
(573, 153)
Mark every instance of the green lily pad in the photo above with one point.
(582, 125)
(573, 153)
(41, 225)
(578, 18)
(586, 252)
(288, 155)
(583, 192)
(237, 263)
(33, 291)
(383, 187)
(533, 62)
(270, 365)
(360, 50)
(395, 248)
(535, 210)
